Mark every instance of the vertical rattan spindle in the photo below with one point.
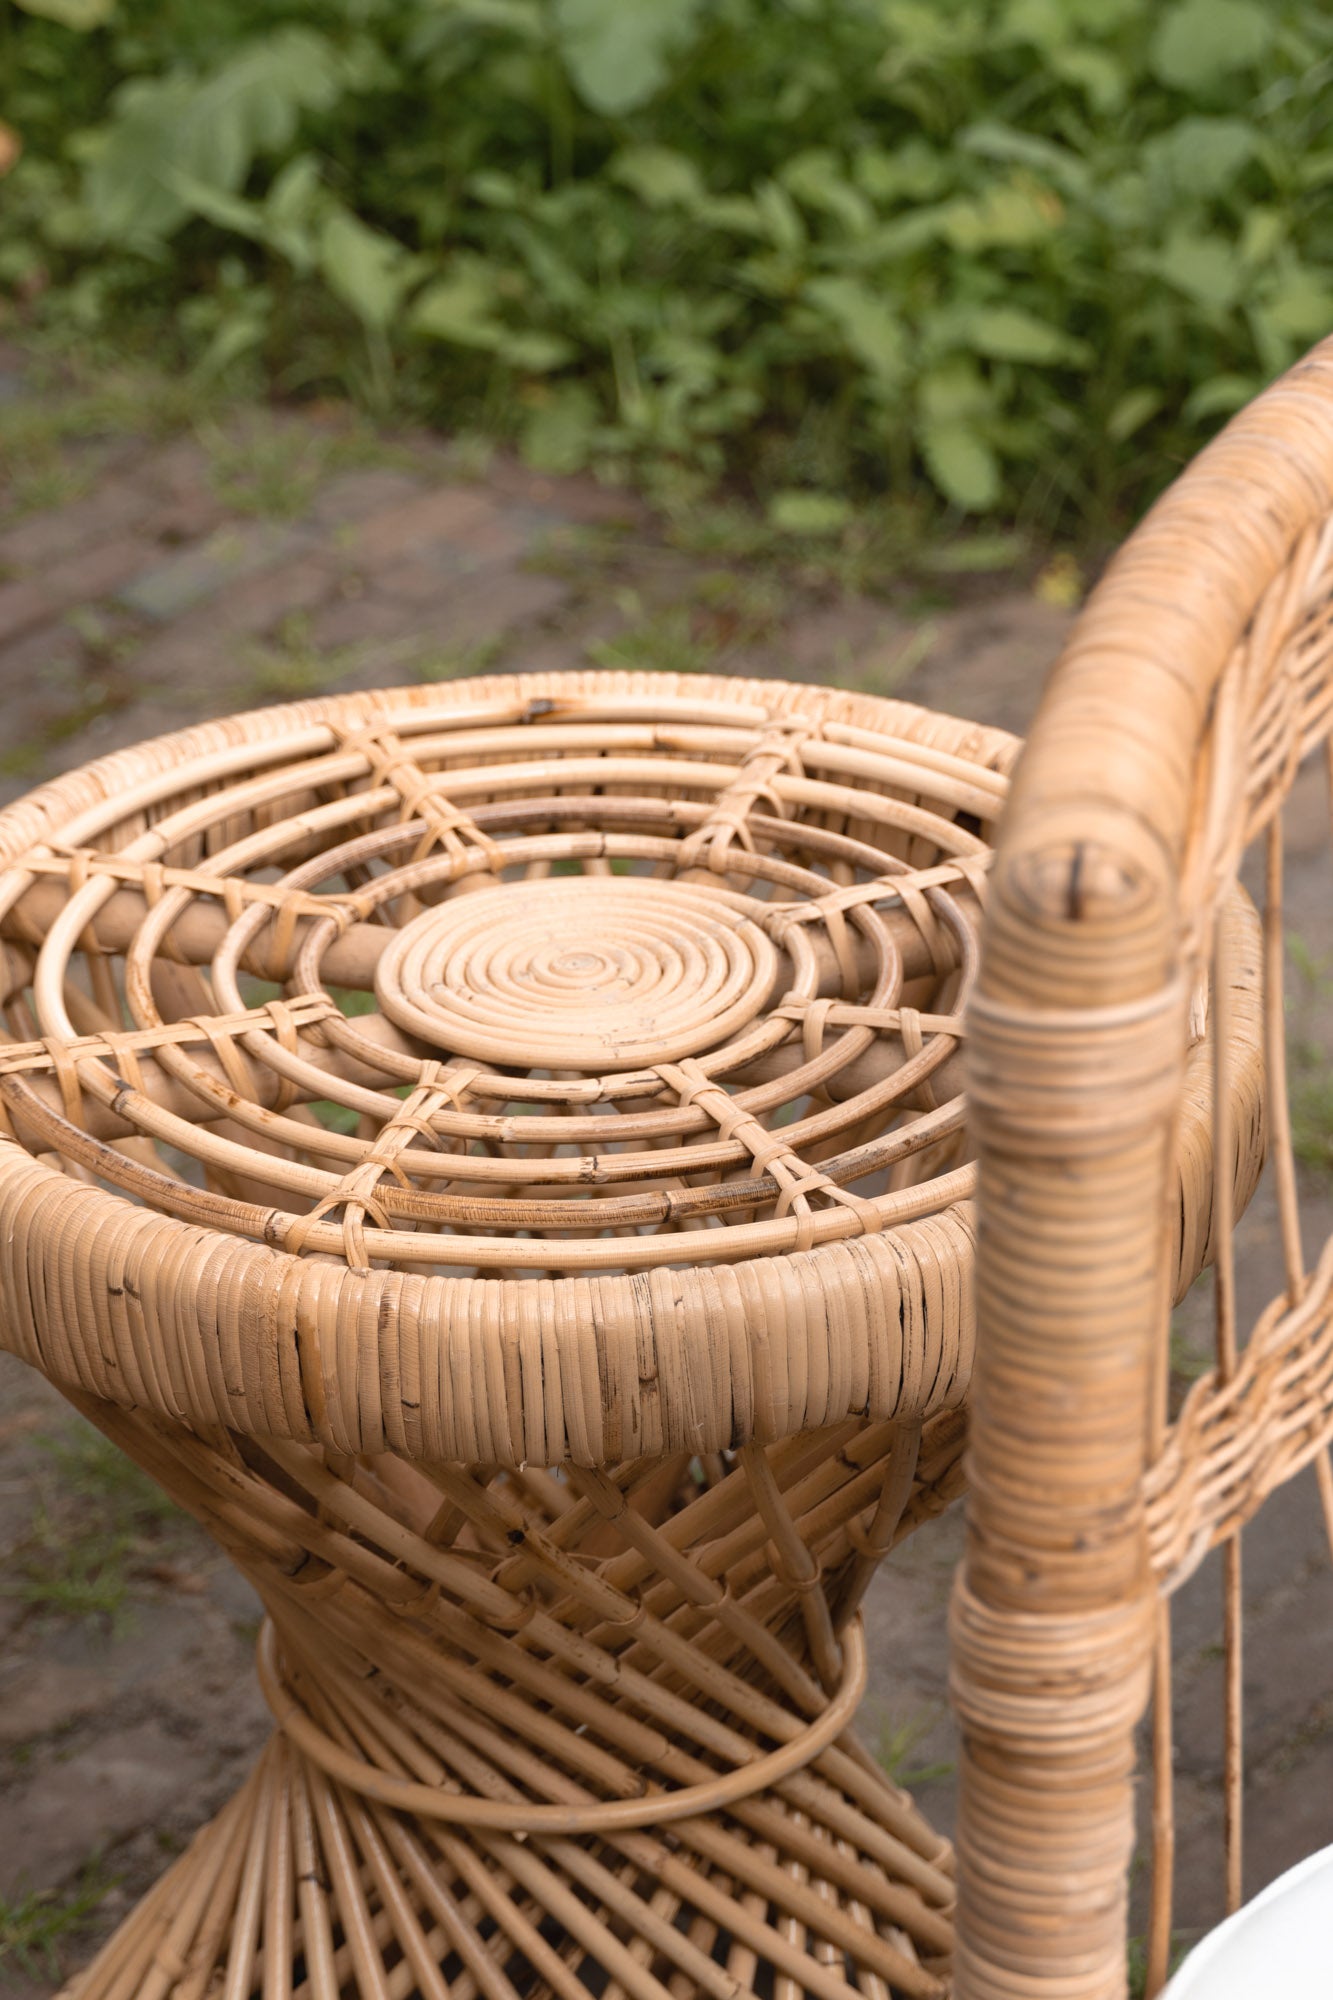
(1077, 1076)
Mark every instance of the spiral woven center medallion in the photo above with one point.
(587, 973)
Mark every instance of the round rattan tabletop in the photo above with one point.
(522, 1034)
(496, 1153)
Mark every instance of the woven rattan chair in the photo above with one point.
(494, 1153)
(1197, 680)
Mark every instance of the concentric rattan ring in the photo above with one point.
(496, 939)
(655, 1808)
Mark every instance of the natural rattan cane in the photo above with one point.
(495, 1155)
(1198, 679)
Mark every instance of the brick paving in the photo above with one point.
(164, 591)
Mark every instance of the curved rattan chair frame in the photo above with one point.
(1198, 677)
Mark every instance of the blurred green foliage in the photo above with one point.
(1026, 251)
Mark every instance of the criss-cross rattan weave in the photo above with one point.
(494, 1153)
(1198, 681)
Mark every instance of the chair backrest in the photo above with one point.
(1198, 678)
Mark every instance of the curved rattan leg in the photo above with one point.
(551, 1734)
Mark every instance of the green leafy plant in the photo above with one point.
(1136, 1960)
(34, 1925)
(1309, 1062)
(898, 1744)
(1017, 254)
(94, 1521)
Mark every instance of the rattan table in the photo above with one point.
(495, 1154)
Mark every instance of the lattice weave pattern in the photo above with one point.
(453, 1804)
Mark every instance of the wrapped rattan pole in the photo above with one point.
(1078, 1036)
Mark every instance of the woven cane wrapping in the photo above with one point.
(1197, 681)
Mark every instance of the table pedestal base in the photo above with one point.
(553, 1734)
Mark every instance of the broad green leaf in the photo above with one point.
(1198, 42)
(950, 394)
(914, 230)
(962, 465)
(129, 162)
(498, 190)
(1263, 234)
(686, 359)
(780, 216)
(1008, 333)
(802, 513)
(560, 435)
(914, 172)
(735, 213)
(290, 211)
(1220, 396)
(659, 176)
(1044, 24)
(1300, 306)
(294, 189)
(81, 15)
(1003, 218)
(240, 333)
(1132, 411)
(620, 55)
(1315, 169)
(869, 326)
(917, 29)
(460, 309)
(210, 129)
(1205, 268)
(1103, 17)
(1055, 163)
(1203, 156)
(536, 353)
(228, 211)
(821, 180)
(520, 16)
(1104, 81)
(367, 270)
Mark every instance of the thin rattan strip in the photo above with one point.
(1235, 1442)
